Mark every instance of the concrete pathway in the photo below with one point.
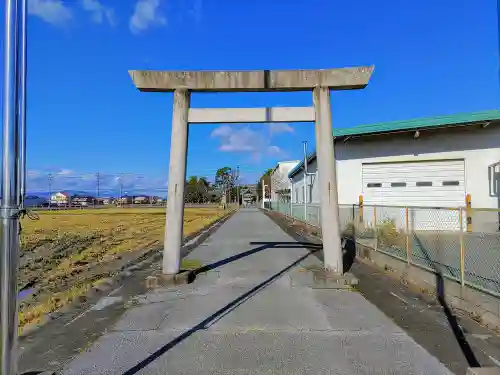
(254, 312)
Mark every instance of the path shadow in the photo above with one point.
(263, 246)
(348, 253)
(452, 319)
(206, 323)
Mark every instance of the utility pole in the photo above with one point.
(238, 184)
(50, 177)
(263, 194)
(13, 107)
(233, 184)
(98, 180)
(121, 193)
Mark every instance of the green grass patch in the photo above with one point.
(190, 264)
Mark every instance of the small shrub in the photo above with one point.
(389, 236)
(349, 230)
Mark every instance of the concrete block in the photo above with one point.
(480, 305)
(328, 280)
(144, 317)
(483, 371)
(254, 115)
(162, 280)
(258, 80)
(487, 302)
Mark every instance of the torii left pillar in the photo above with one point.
(174, 225)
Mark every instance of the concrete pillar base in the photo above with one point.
(324, 279)
(164, 280)
(483, 371)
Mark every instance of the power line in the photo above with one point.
(98, 181)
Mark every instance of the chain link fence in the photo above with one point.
(462, 244)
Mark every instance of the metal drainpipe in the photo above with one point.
(306, 184)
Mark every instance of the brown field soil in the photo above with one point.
(66, 253)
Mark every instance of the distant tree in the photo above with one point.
(225, 179)
(197, 190)
(202, 181)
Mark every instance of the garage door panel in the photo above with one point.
(426, 184)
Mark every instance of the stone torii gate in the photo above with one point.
(320, 82)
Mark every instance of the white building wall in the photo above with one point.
(281, 174)
(480, 148)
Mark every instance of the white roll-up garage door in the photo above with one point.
(417, 184)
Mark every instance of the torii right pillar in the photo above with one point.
(327, 178)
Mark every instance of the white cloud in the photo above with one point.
(275, 150)
(99, 12)
(51, 11)
(65, 172)
(239, 140)
(40, 181)
(222, 131)
(278, 127)
(246, 140)
(146, 14)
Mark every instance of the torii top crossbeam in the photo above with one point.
(256, 80)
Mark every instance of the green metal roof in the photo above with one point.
(420, 123)
(460, 119)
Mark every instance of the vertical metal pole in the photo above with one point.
(263, 194)
(462, 248)
(238, 184)
(375, 226)
(327, 176)
(50, 189)
(98, 180)
(121, 193)
(468, 204)
(9, 234)
(21, 113)
(305, 181)
(174, 227)
(408, 234)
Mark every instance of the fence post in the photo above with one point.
(462, 249)
(375, 226)
(468, 204)
(360, 200)
(408, 240)
(354, 221)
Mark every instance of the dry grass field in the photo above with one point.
(66, 253)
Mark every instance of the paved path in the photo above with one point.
(254, 312)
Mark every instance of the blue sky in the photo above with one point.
(85, 116)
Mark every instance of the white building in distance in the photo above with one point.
(280, 183)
